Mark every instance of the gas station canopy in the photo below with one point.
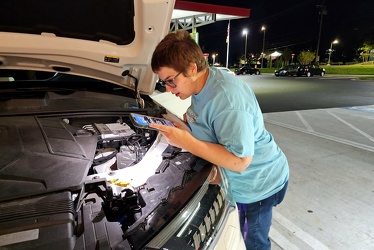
(190, 14)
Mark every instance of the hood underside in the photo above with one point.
(97, 39)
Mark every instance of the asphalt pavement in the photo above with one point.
(330, 198)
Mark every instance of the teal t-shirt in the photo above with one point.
(226, 112)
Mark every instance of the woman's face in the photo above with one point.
(177, 83)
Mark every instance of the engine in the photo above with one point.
(83, 174)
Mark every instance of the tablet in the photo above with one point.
(143, 121)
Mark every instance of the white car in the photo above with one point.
(226, 70)
(75, 173)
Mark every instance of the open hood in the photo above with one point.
(97, 39)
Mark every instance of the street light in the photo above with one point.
(245, 32)
(214, 58)
(330, 51)
(263, 46)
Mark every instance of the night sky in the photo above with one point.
(294, 24)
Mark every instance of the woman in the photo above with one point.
(227, 129)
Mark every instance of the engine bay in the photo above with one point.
(99, 172)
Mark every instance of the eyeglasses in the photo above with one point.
(169, 82)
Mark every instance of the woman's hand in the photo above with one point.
(177, 136)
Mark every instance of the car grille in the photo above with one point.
(198, 224)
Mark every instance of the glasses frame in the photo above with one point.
(169, 82)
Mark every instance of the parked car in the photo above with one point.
(288, 70)
(310, 70)
(247, 70)
(226, 70)
(75, 173)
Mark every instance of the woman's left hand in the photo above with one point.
(178, 136)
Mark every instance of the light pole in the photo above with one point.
(323, 11)
(263, 47)
(245, 32)
(330, 51)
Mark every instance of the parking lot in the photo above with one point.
(330, 195)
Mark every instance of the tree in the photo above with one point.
(287, 55)
(366, 50)
(306, 57)
(278, 62)
(242, 59)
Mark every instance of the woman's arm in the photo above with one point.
(214, 153)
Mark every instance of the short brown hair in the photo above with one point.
(177, 50)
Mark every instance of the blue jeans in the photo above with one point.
(255, 220)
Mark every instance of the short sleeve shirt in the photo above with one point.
(226, 112)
